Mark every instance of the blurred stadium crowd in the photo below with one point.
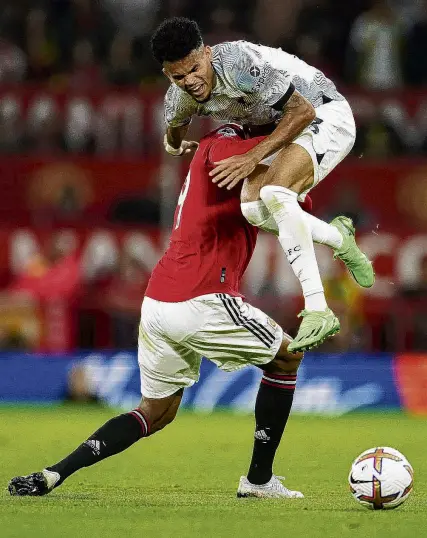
(79, 46)
(378, 44)
(81, 105)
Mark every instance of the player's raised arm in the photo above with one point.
(263, 75)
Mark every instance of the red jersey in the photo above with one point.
(211, 243)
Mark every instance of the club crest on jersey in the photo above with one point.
(227, 132)
(255, 71)
(272, 323)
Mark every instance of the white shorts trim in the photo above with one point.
(328, 140)
(173, 338)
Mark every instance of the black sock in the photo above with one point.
(272, 408)
(113, 437)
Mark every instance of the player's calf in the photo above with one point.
(113, 437)
(272, 407)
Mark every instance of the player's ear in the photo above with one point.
(167, 75)
(208, 52)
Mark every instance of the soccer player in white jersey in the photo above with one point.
(311, 129)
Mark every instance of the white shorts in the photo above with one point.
(328, 140)
(173, 338)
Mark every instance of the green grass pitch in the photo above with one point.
(182, 482)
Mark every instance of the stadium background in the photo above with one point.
(88, 194)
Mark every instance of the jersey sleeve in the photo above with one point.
(261, 71)
(224, 147)
(178, 107)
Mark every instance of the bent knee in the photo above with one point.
(283, 365)
(160, 413)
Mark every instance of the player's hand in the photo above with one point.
(186, 148)
(232, 170)
(189, 147)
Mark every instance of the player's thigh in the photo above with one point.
(236, 334)
(316, 151)
(252, 185)
(292, 168)
(166, 366)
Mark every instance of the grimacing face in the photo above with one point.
(193, 74)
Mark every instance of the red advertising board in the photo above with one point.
(389, 196)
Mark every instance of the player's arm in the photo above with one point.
(265, 77)
(178, 113)
(223, 148)
(298, 114)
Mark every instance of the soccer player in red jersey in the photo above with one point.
(193, 309)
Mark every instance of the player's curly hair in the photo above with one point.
(175, 38)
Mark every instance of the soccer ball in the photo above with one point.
(381, 478)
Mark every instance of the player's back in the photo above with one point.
(211, 242)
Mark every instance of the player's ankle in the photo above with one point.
(316, 301)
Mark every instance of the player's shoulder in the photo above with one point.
(242, 62)
(178, 106)
(175, 95)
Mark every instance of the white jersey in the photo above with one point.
(253, 85)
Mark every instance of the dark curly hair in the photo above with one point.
(175, 38)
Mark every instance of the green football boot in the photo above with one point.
(356, 261)
(315, 328)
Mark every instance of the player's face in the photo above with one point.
(193, 74)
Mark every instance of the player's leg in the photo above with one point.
(256, 212)
(115, 436)
(338, 235)
(272, 408)
(234, 334)
(292, 173)
(165, 372)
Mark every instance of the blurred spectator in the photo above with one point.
(79, 122)
(135, 17)
(416, 50)
(20, 324)
(11, 126)
(13, 63)
(274, 22)
(44, 129)
(80, 19)
(121, 70)
(41, 48)
(375, 56)
(317, 33)
(309, 49)
(346, 300)
(222, 21)
(85, 72)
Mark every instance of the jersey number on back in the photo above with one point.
(181, 199)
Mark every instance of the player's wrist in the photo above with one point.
(176, 152)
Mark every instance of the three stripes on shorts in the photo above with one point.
(261, 332)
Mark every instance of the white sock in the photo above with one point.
(296, 240)
(257, 214)
(323, 232)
